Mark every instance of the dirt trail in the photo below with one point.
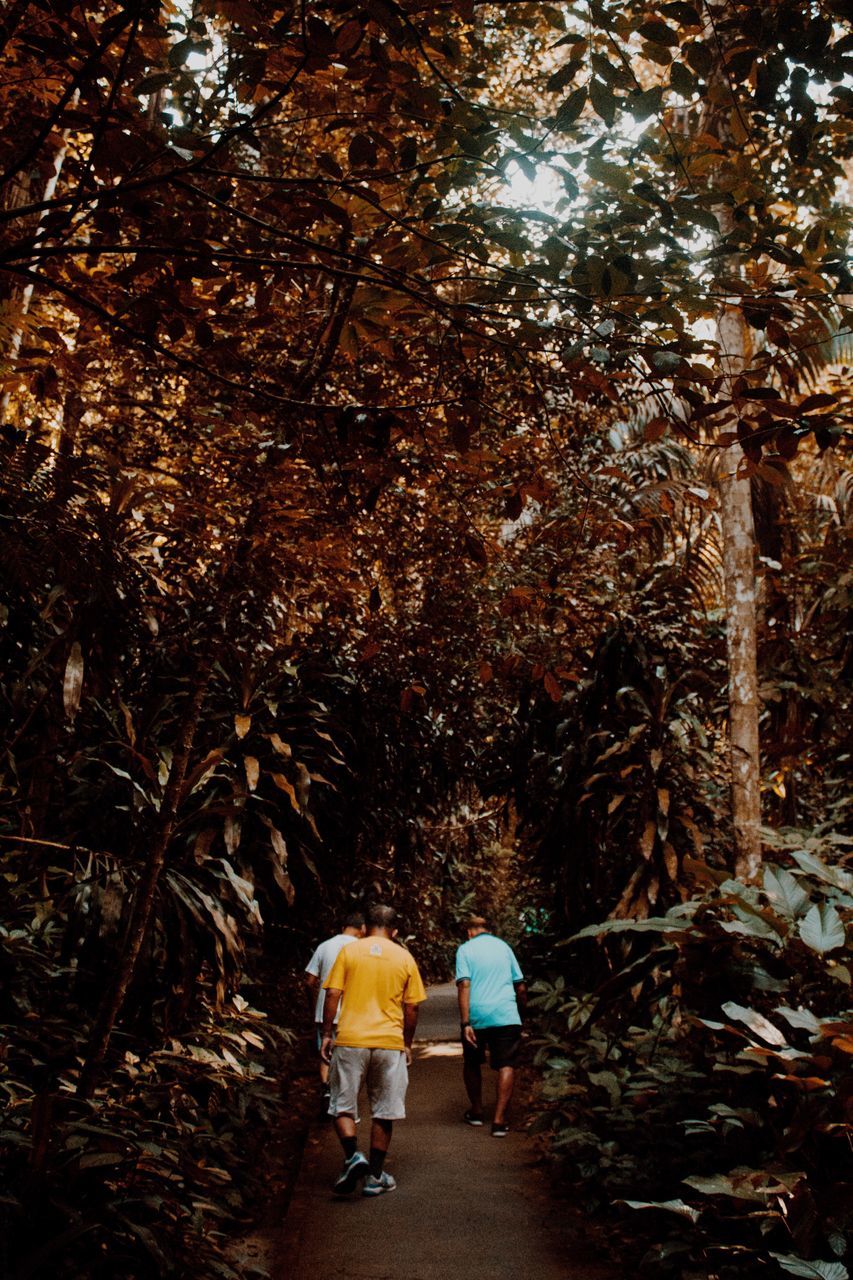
(465, 1204)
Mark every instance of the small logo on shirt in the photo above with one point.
(376, 949)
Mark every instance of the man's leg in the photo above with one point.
(506, 1083)
(387, 1081)
(380, 1141)
(473, 1078)
(348, 1066)
(347, 1134)
(504, 1048)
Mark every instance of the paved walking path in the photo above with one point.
(466, 1204)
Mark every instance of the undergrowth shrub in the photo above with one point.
(700, 1090)
(163, 1167)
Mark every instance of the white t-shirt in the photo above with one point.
(320, 966)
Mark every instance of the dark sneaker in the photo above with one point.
(377, 1186)
(470, 1117)
(500, 1130)
(353, 1171)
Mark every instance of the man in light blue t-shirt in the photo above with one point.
(492, 997)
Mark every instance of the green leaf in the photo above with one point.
(603, 100)
(612, 175)
(100, 1158)
(654, 924)
(822, 929)
(784, 891)
(666, 361)
(835, 876)
(756, 1022)
(800, 1267)
(571, 109)
(801, 1018)
(671, 1206)
(606, 1080)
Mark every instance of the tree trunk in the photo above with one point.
(738, 532)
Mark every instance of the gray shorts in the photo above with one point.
(387, 1076)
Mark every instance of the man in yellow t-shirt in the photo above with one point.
(374, 1037)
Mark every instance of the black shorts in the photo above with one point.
(503, 1044)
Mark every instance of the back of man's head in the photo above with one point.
(476, 923)
(379, 916)
(355, 920)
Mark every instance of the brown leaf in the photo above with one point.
(242, 724)
(655, 429)
(201, 848)
(303, 784)
(670, 860)
(287, 787)
(232, 834)
(253, 771)
(362, 152)
(72, 684)
(279, 858)
(552, 686)
(210, 761)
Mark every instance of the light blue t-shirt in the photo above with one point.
(493, 969)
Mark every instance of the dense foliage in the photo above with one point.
(705, 1078)
(364, 418)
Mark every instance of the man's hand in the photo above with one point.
(470, 1035)
(408, 1052)
(326, 1048)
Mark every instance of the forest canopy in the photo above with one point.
(423, 475)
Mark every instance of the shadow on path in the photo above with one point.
(465, 1204)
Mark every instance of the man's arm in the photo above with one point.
(330, 1008)
(410, 1021)
(312, 982)
(463, 993)
(521, 997)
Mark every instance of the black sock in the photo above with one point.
(377, 1160)
(350, 1146)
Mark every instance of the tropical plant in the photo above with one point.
(703, 1076)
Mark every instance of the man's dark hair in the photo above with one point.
(477, 922)
(381, 917)
(355, 920)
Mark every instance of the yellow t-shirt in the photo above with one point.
(377, 977)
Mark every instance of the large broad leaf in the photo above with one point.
(654, 924)
(800, 1267)
(784, 892)
(803, 1018)
(756, 1022)
(835, 876)
(822, 929)
(606, 1080)
(745, 1184)
(671, 1206)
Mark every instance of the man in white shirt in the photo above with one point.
(318, 969)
